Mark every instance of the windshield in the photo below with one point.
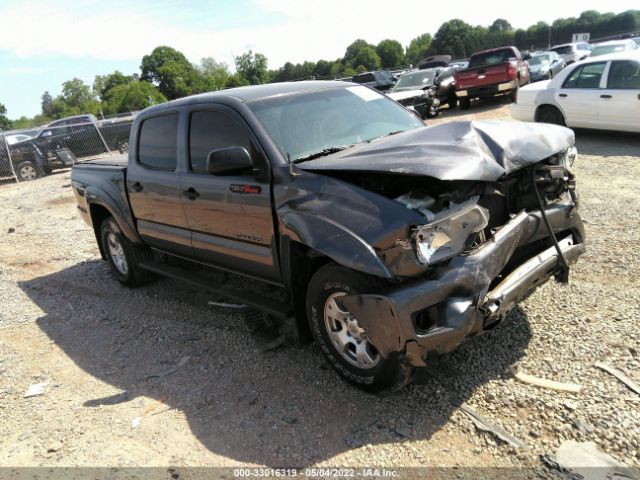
(491, 58)
(310, 122)
(540, 60)
(604, 49)
(410, 81)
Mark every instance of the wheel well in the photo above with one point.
(544, 107)
(300, 262)
(98, 215)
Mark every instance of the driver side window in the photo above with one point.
(210, 130)
(585, 76)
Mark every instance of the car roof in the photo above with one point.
(628, 55)
(622, 41)
(254, 92)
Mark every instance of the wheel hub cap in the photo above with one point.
(28, 172)
(347, 336)
(116, 252)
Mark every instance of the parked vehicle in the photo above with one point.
(381, 80)
(545, 65)
(386, 240)
(499, 71)
(601, 92)
(60, 143)
(572, 52)
(425, 90)
(613, 46)
(435, 61)
(18, 137)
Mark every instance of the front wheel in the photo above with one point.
(28, 170)
(549, 114)
(464, 103)
(342, 339)
(123, 256)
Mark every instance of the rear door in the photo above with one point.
(579, 95)
(230, 216)
(620, 100)
(153, 185)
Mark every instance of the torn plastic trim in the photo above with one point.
(447, 235)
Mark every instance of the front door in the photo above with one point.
(579, 96)
(620, 101)
(153, 185)
(230, 216)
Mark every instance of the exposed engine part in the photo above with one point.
(419, 202)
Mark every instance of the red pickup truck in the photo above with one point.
(499, 71)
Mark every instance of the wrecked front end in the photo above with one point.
(481, 257)
(489, 238)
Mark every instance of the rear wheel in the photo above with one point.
(452, 100)
(514, 94)
(464, 103)
(342, 338)
(123, 256)
(549, 114)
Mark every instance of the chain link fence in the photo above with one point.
(29, 154)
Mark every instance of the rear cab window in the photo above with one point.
(585, 76)
(157, 142)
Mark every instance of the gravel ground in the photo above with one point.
(156, 376)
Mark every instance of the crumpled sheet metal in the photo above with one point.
(470, 150)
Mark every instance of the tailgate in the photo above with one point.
(482, 76)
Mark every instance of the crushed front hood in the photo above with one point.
(473, 150)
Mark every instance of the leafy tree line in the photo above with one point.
(166, 73)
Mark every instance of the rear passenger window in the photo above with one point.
(585, 76)
(624, 75)
(211, 130)
(157, 145)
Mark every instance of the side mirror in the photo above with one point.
(46, 133)
(229, 160)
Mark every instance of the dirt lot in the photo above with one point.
(157, 377)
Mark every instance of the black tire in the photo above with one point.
(513, 95)
(123, 146)
(133, 255)
(387, 374)
(452, 101)
(464, 103)
(28, 170)
(549, 114)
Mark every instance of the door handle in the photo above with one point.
(136, 187)
(191, 193)
(605, 96)
(563, 95)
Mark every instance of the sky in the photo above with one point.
(44, 43)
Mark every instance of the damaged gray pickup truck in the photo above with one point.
(388, 241)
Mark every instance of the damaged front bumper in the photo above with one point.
(467, 295)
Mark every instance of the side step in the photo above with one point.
(251, 299)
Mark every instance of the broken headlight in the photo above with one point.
(566, 158)
(447, 235)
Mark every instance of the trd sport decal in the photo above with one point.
(235, 188)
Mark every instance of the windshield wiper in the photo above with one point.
(387, 135)
(321, 153)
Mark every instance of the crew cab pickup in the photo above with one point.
(499, 71)
(386, 240)
(59, 144)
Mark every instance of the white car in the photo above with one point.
(601, 93)
(613, 46)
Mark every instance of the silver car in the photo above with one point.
(572, 52)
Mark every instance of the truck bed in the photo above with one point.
(119, 160)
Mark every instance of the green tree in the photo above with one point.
(216, 73)
(170, 71)
(46, 102)
(5, 123)
(418, 49)
(130, 97)
(353, 50)
(252, 67)
(367, 57)
(236, 80)
(104, 83)
(456, 38)
(391, 53)
(500, 25)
